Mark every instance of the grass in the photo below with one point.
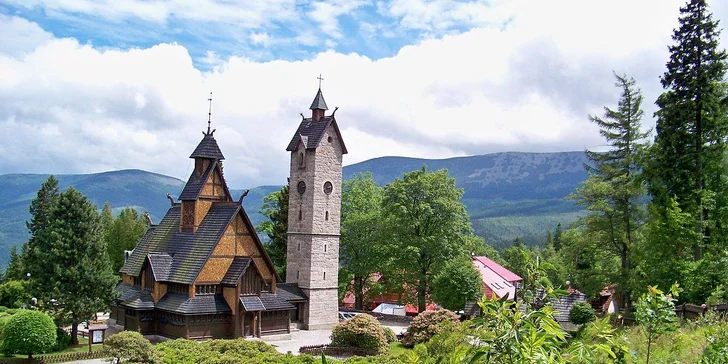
(397, 348)
(82, 347)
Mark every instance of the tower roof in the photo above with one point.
(208, 149)
(318, 102)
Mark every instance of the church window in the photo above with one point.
(298, 274)
(204, 289)
(327, 216)
(330, 139)
(301, 160)
(324, 248)
(328, 188)
(301, 187)
(324, 275)
(299, 247)
(300, 215)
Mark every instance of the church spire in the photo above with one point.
(209, 115)
(318, 106)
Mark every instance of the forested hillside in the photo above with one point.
(506, 194)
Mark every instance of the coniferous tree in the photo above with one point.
(688, 159)
(275, 208)
(122, 233)
(80, 275)
(612, 192)
(16, 267)
(41, 210)
(557, 237)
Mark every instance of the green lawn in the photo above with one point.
(82, 347)
(396, 348)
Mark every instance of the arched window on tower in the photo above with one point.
(301, 160)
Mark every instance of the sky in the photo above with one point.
(91, 86)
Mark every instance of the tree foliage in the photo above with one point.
(426, 325)
(362, 239)
(29, 333)
(655, 311)
(688, 161)
(122, 233)
(612, 193)
(428, 226)
(13, 294)
(275, 209)
(458, 282)
(77, 266)
(41, 211)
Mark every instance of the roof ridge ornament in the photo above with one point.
(209, 116)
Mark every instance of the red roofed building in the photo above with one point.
(496, 278)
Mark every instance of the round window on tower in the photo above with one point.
(328, 188)
(330, 139)
(301, 187)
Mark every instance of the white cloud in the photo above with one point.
(20, 36)
(261, 39)
(326, 13)
(69, 107)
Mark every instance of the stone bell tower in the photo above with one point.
(314, 214)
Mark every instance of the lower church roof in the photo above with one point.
(134, 297)
(201, 304)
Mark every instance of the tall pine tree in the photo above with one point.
(80, 275)
(122, 233)
(612, 192)
(41, 209)
(688, 158)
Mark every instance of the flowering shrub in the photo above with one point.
(389, 334)
(426, 325)
(361, 331)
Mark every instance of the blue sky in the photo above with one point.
(298, 31)
(90, 86)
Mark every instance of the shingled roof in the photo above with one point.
(200, 304)
(311, 132)
(134, 297)
(208, 148)
(274, 302)
(195, 183)
(252, 303)
(189, 251)
(290, 292)
(160, 264)
(235, 271)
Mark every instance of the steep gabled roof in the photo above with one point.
(310, 133)
(160, 264)
(152, 238)
(499, 269)
(194, 185)
(236, 270)
(208, 148)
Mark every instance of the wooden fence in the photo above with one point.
(336, 350)
(58, 358)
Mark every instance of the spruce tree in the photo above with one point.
(612, 192)
(77, 262)
(122, 233)
(688, 158)
(16, 267)
(41, 209)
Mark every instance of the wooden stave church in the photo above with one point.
(202, 272)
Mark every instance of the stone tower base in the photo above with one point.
(322, 308)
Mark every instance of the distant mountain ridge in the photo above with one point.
(507, 194)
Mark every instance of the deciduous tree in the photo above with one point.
(275, 209)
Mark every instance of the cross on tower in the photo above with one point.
(320, 79)
(209, 113)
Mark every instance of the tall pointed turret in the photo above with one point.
(318, 106)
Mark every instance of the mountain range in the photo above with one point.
(507, 195)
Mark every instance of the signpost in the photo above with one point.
(96, 335)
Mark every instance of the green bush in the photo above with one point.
(11, 311)
(3, 308)
(236, 351)
(28, 333)
(13, 294)
(63, 340)
(582, 313)
(361, 331)
(389, 334)
(130, 347)
(426, 325)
